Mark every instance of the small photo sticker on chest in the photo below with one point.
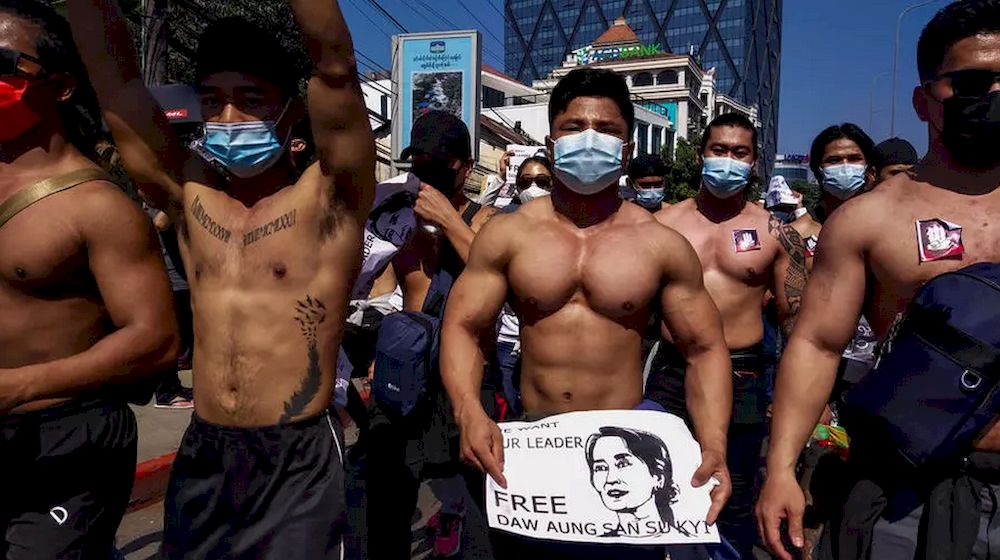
(811, 242)
(939, 239)
(746, 240)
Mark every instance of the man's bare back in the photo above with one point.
(584, 297)
(269, 285)
(738, 256)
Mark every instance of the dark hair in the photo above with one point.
(954, 22)
(540, 160)
(81, 115)
(234, 44)
(849, 131)
(646, 165)
(730, 119)
(649, 449)
(590, 82)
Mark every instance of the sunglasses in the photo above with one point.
(541, 180)
(968, 83)
(10, 63)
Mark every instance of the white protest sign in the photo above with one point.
(520, 154)
(618, 476)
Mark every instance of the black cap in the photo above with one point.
(439, 134)
(895, 151)
(646, 165)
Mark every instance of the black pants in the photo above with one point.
(275, 492)
(403, 452)
(65, 478)
(746, 431)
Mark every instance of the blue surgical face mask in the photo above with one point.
(845, 180)
(724, 177)
(650, 198)
(245, 149)
(588, 162)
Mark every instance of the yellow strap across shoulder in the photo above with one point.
(33, 193)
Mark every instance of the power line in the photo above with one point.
(369, 18)
(388, 16)
(454, 26)
(479, 21)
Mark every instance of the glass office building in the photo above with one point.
(740, 38)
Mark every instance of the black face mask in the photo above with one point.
(436, 173)
(972, 130)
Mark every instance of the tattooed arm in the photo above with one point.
(789, 272)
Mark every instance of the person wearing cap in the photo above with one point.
(440, 154)
(786, 205)
(272, 254)
(647, 176)
(404, 452)
(744, 252)
(892, 157)
(85, 307)
(584, 271)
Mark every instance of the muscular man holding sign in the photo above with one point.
(584, 296)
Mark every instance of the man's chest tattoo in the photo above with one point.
(209, 224)
(283, 221)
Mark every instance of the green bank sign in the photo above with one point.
(589, 55)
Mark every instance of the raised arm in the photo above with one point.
(125, 259)
(341, 129)
(150, 150)
(828, 319)
(695, 326)
(790, 272)
(469, 322)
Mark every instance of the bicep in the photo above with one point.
(126, 260)
(689, 313)
(835, 293)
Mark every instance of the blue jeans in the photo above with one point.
(507, 372)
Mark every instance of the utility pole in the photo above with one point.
(155, 34)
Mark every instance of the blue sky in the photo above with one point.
(832, 51)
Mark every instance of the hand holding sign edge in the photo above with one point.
(713, 466)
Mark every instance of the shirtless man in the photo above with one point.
(744, 251)
(84, 305)
(584, 296)
(272, 256)
(868, 262)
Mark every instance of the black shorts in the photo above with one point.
(666, 383)
(66, 475)
(275, 492)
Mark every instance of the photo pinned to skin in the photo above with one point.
(620, 476)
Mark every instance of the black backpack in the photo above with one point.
(408, 345)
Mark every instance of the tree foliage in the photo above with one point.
(811, 194)
(684, 171)
(188, 18)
